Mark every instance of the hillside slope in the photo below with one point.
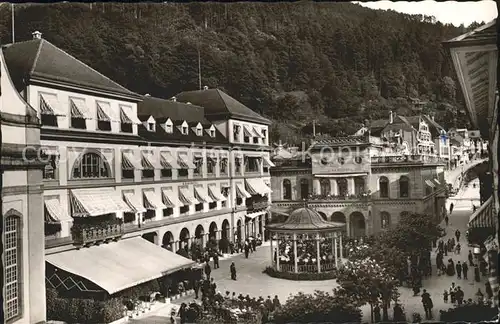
(338, 63)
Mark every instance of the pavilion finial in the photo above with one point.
(306, 203)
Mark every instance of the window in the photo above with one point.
(166, 173)
(341, 160)
(385, 220)
(128, 217)
(184, 130)
(148, 173)
(264, 134)
(287, 189)
(212, 205)
(358, 159)
(78, 122)
(198, 207)
(151, 127)
(184, 210)
(211, 163)
(223, 166)
(404, 187)
(256, 140)
(384, 187)
(212, 133)
(168, 212)
(304, 188)
(236, 132)
(199, 132)
(49, 172)
(225, 192)
(198, 162)
(252, 164)
(91, 165)
(169, 129)
(12, 268)
(246, 139)
(237, 165)
(325, 187)
(183, 173)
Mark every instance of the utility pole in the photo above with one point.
(199, 66)
(12, 19)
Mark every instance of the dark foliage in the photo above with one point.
(339, 63)
(468, 313)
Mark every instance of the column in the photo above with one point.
(341, 249)
(335, 251)
(272, 253)
(318, 259)
(295, 253)
(316, 187)
(278, 253)
(334, 189)
(350, 186)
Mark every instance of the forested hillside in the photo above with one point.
(338, 63)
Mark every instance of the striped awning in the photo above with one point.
(55, 213)
(187, 197)
(430, 183)
(436, 180)
(268, 162)
(185, 163)
(153, 201)
(170, 199)
(128, 116)
(241, 192)
(150, 161)
(202, 195)
(247, 131)
(257, 187)
(49, 105)
(96, 201)
(79, 109)
(484, 216)
(215, 193)
(130, 162)
(134, 202)
(256, 132)
(168, 161)
(106, 113)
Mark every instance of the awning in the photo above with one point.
(185, 163)
(256, 133)
(430, 183)
(168, 161)
(150, 162)
(128, 116)
(187, 197)
(254, 215)
(484, 216)
(55, 212)
(120, 265)
(268, 162)
(96, 201)
(134, 202)
(257, 187)
(340, 175)
(79, 109)
(202, 195)
(152, 201)
(241, 192)
(215, 193)
(170, 199)
(106, 113)
(50, 106)
(247, 131)
(130, 162)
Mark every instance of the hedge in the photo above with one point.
(469, 313)
(300, 275)
(74, 310)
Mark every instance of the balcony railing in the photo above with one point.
(407, 159)
(257, 205)
(360, 196)
(311, 268)
(87, 234)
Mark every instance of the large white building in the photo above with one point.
(123, 166)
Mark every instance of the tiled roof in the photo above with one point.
(39, 59)
(305, 220)
(347, 140)
(176, 136)
(434, 126)
(486, 34)
(378, 123)
(217, 103)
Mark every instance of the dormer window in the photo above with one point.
(212, 133)
(199, 131)
(151, 127)
(184, 130)
(264, 133)
(168, 126)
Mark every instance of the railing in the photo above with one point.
(257, 205)
(310, 268)
(407, 159)
(360, 196)
(86, 234)
(484, 216)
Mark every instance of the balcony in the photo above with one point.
(254, 206)
(88, 234)
(364, 196)
(416, 158)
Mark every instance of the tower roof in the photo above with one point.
(305, 220)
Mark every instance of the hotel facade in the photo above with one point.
(124, 169)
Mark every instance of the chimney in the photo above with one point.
(391, 117)
(205, 88)
(432, 116)
(173, 98)
(36, 35)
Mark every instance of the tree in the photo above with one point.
(366, 281)
(317, 308)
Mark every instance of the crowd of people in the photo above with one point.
(306, 251)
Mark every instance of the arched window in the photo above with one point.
(287, 189)
(325, 187)
(384, 187)
(12, 266)
(385, 220)
(91, 165)
(304, 188)
(359, 185)
(404, 187)
(342, 185)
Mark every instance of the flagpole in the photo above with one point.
(13, 32)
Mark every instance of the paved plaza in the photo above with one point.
(252, 281)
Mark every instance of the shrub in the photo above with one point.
(469, 313)
(301, 275)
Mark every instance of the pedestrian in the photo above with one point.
(457, 248)
(427, 303)
(216, 260)
(182, 313)
(196, 288)
(471, 259)
(276, 302)
(465, 270)
(458, 267)
(445, 296)
(452, 289)
(457, 235)
(459, 296)
(247, 249)
(208, 270)
(445, 248)
(376, 313)
(254, 245)
(269, 304)
(451, 208)
(479, 296)
(446, 220)
(477, 276)
(232, 269)
(398, 314)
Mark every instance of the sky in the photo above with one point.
(454, 12)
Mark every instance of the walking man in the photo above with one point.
(458, 267)
(465, 269)
(428, 305)
(208, 270)
(457, 235)
(196, 287)
(451, 208)
(216, 260)
(232, 269)
(446, 220)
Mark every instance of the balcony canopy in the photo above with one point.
(475, 58)
(305, 220)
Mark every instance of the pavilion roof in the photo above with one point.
(305, 220)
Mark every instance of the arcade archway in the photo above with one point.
(151, 237)
(323, 215)
(168, 241)
(212, 231)
(184, 238)
(225, 229)
(338, 217)
(357, 225)
(199, 234)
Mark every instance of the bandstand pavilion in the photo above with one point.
(306, 225)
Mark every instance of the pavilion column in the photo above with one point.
(318, 259)
(278, 254)
(295, 253)
(272, 252)
(316, 186)
(341, 249)
(335, 250)
(334, 189)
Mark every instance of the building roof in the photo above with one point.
(434, 126)
(218, 103)
(345, 140)
(160, 135)
(305, 220)
(176, 111)
(39, 59)
(486, 34)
